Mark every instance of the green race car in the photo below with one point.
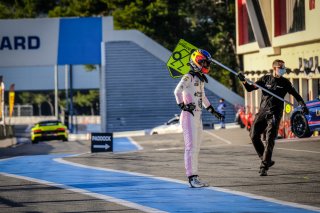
(49, 130)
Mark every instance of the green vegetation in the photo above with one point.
(86, 102)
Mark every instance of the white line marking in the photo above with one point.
(299, 150)
(85, 192)
(4, 159)
(135, 143)
(218, 137)
(296, 205)
(182, 148)
(296, 140)
(139, 148)
(294, 150)
(253, 196)
(171, 148)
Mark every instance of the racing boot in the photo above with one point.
(195, 182)
(263, 172)
(264, 168)
(271, 163)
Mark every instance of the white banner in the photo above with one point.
(29, 42)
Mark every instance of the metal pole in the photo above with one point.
(251, 82)
(71, 99)
(2, 119)
(56, 112)
(102, 108)
(66, 83)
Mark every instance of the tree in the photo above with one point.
(62, 101)
(48, 100)
(25, 8)
(25, 98)
(38, 99)
(93, 98)
(79, 8)
(87, 100)
(213, 29)
(164, 21)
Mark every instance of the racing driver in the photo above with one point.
(190, 97)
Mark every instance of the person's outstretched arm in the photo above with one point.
(247, 86)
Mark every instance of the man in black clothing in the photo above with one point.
(270, 112)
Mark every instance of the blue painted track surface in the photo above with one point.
(123, 144)
(147, 191)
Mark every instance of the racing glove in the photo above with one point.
(241, 76)
(215, 113)
(304, 108)
(189, 107)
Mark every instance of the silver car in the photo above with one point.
(171, 126)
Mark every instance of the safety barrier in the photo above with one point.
(247, 117)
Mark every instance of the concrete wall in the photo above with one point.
(29, 120)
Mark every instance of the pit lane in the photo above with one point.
(227, 161)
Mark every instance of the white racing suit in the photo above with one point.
(191, 90)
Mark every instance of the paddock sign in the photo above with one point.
(101, 142)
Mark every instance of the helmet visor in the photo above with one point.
(205, 66)
(206, 63)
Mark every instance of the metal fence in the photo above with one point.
(20, 110)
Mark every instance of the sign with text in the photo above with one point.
(29, 42)
(178, 62)
(50, 41)
(101, 142)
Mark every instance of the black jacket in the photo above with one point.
(279, 86)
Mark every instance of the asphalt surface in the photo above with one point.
(227, 160)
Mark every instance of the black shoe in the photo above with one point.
(263, 172)
(271, 163)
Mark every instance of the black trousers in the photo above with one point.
(267, 122)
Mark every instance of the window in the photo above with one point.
(305, 89)
(316, 88)
(296, 86)
(289, 16)
(245, 33)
